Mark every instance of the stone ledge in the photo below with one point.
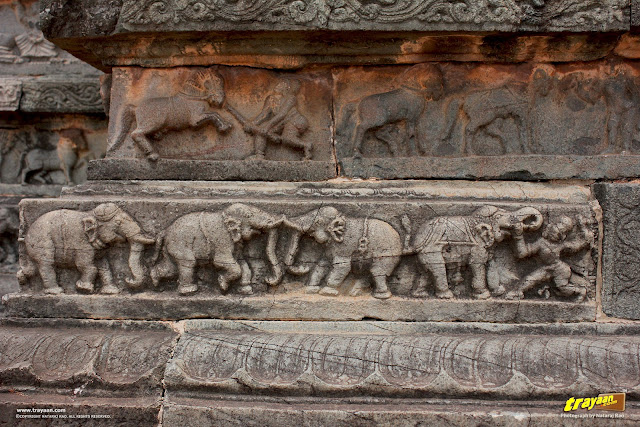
(171, 306)
(211, 170)
(195, 412)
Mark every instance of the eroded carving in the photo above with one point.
(191, 107)
(76, 239)
(521, 110)
(403, 363)
(216, 238)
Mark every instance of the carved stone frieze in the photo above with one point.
(220, 114)
(359, 242)
(486, 114)
(102, 357)
(621, 247)
(64, 96)
(253, 357)
(10, 93)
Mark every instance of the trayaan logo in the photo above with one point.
(602, 402)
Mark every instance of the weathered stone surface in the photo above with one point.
(505, 121)
(352, 243)
(220, 113)
(357, 359)
(10, 93)
(71, 95)
(211, 170)
(197, 412)
(102, 358)
(295, 304)
(48, 150)
(25, 51)
(621, 248)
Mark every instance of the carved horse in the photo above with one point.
(190, 108)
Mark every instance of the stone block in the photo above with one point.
(621, 248)
(387, 359)
(388, 250)
(68, 95)
(10, 93)
(528, 121)
(220, 113)
(101, 359)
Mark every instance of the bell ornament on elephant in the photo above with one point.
(467, 240)
(77, 239)
(370, 241)
(216, 238)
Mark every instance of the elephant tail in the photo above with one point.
(407, 249)
(124, 121)
(158, 247)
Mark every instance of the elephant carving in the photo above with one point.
(215, 238)
(77, 239)
(405, 104)
(467, 240)
(372, 242)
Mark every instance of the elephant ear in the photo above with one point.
(90, 226)
(485, 233)
(233, 226)
(336, 228)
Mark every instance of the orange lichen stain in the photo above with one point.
(629, 46)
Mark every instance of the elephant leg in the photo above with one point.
(106, 277)
(27, 270)
(165, 269)
(434, 262)
(317, 274)
(357, 140)
(340, 269)
(48, 275)
(479, 280)
(245, 278)
(420, 290)
(381, 269)
(145, 145)
(411, 136)
(88, 272)
(186, 285)
(231, 271)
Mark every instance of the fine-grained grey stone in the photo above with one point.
(335, 243)
(69, 95)
(171, 306)
(213, 170)
(621, 249)
(400, 413)
(103, 358)
(350, 362)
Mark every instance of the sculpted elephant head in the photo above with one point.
(244, 222)
(107, 224)
(325, 225)
(499, 222)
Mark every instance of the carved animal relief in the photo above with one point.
(451, 110)
(489, 252)
(220, 113)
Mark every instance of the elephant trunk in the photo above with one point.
(530, 218)
(300, 225)
(135, 265)
(273, 258)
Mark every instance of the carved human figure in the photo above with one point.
(68, 238)
(279, 121)
(215, 238)
(549, 250)
(405, 104)
(467, 240)
(622, 95)
(32, 43)
(371, 242)
(190, 108)
(9, 225)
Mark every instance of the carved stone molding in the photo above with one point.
(621, 247)
(359, 360)
(10, 93)
(58, 356)
(68, 96)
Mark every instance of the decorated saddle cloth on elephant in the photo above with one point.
(448, 231)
